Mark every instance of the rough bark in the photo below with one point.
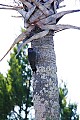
(45, 83)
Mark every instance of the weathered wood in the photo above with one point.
(22, 12)
(54, 17)
(20, 38)
(43, 9)
(48, 19)
(35, 16)
(64, 27)
(34, 37)
(25, 14)
(30, 12)
(62, 6)
(26, 24)
(59, 27)
(61, 14)
(17, 40)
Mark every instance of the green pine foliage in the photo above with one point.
(15, 93)
(5, 100)
(67, 111)
(19, 75)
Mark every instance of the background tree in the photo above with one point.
(19, 75)
(67, 111)
(5, 101)
(15, 88)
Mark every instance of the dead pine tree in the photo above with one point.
(41, 22)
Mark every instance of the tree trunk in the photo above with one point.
(45, 84)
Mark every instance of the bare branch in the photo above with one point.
(57, 16)
(61, 14)
(17, 40)
(36, 15)
(29, 13)
(6, 5)
(7, 8)
(20, 38)
(34, 37)
(60, 27)
(37, 36)
(16, 16)
(62, 6)
(3, 6)
(22, 12)
(44, 10)
(25, 14)
(48, 19)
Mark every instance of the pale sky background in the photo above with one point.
(67, 46)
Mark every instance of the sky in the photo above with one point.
(67, 46)
(67, 49)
